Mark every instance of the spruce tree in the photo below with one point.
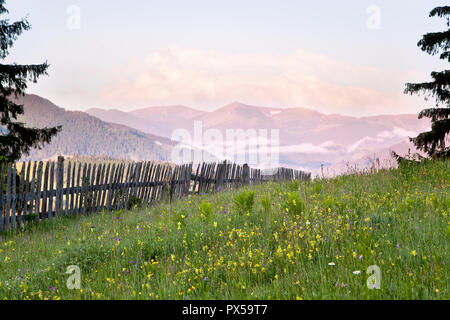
(433, 142)
(15, 138)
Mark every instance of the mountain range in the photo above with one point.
(85, 135)
(308, 139)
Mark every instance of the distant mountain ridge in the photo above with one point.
(307, 138)
(85, 135)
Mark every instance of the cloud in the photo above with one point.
(397, 132)
(355, 146)
(310, 148)
(209, 79)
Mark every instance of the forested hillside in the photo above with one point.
(83, 134)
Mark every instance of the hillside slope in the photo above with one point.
(83, 134)
(314, 240)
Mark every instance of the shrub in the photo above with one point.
(317, 189)
(266, 204)
(243, 202)
(294, 204)
(294, 186)
(205, 209)
(135, 202)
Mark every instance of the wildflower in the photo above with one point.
(206, 278)
(360, 257)
(414, 253)
(331, 264)
(52, 288)
(356, 272)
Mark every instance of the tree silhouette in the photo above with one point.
(433, 142)
(15, 138)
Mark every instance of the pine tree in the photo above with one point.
(433, 142)
(15, 138)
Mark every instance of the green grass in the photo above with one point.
(291, 241)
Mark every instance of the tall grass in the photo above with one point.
(312, 240)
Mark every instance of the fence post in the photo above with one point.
(246, 174)
(221, 168)
(59, 185)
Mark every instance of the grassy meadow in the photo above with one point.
(290, 240)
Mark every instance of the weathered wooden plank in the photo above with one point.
(123, 190)
(134, 180)
(98, 183)
(2, 187)
(51, 186)
(137, 175)
(13, 193)
(21, 195)
(205, 178)
(154, 180)
(104, 183)
(173, 183)
(79, 193)
(194, 184)
(59, 177)
(119, 191)
(181, 180)
(166, 182)
(109, 190)
(158, 179)
(84, 185)
(27, 188)
(211, 177)
(66, 201)
(33, 189)
(144, 180)
(8, 196)
(37, 209)
(74, 186)
(165, 174)
(178, 181)
(126, 181)
(187, 179)
(150, 179)
(90, 198)
(114, 187)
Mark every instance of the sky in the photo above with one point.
(349, 57)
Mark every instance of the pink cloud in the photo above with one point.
(209, 79)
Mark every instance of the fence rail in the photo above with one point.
(44, 190)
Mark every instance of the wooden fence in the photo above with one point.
(44, 190)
